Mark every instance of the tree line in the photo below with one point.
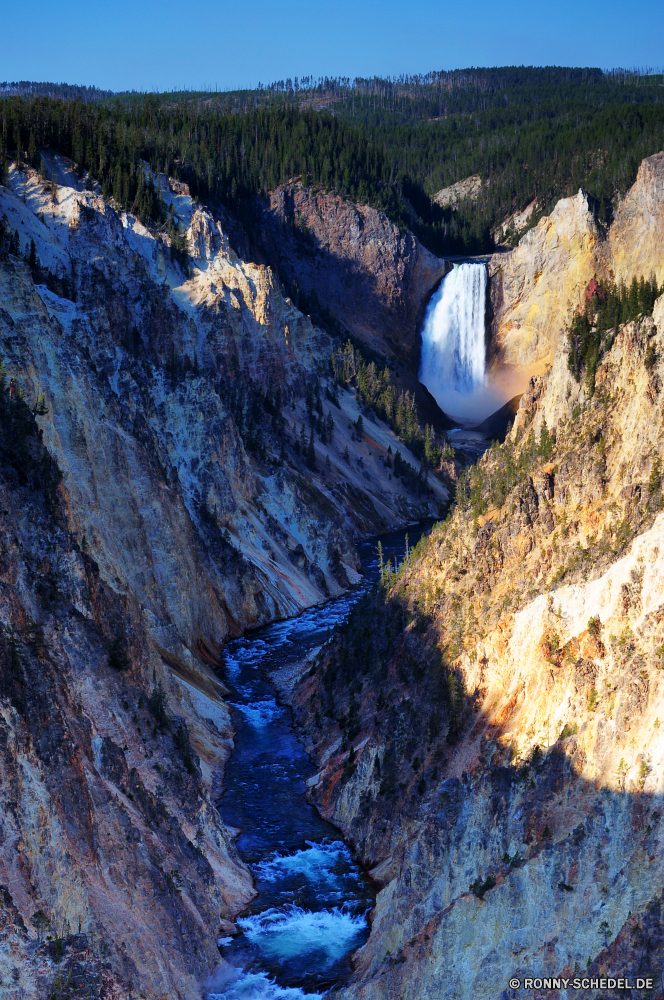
(530, 134)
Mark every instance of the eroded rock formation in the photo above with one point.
(497, 758)
(373, 278)
(163, 487)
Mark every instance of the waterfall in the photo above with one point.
(453, 350)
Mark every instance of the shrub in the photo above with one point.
(159, 707)
(183, 747)
(479, 887)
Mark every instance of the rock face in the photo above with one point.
(498, 757)
(535, 288)
(164, 485)
(373, 278)
(636, 234)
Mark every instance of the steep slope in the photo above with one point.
(535, 288)
(349, 263)
(177, 466)
(114, 863)
(488, 727)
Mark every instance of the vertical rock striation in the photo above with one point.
(497, 756)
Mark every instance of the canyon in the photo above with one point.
(180, 467)
(164, 489)
(494, 755)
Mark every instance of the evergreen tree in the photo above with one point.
(311, 454)
(32, 258)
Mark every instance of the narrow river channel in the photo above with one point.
(313, 898)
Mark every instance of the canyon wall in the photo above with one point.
(373, 278)
(173, 473)
(536, 287)
(355, 268)
(497, 755)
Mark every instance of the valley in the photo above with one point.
(331, 614)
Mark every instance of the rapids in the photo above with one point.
(313, 899)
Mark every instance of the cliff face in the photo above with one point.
(535, 288)
(115, 866)
(374, 279)
(173, 403)
(497, 756)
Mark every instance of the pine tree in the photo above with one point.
(311, 454)
(33, 153)
(31, 258)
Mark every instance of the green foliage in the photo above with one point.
(591, 330)
(568, 730)
(257, 415)
(479, 887)
(655, 478)
(41, 922)
(158, 707)
(650, 359)
(487, 484)
(397, 408)
(10, 244)
(183, 747)
(533, 133)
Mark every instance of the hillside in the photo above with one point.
(210, 330)
(179, 464)
(487, 725)
(531, 135)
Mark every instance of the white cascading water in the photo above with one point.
(453, 348)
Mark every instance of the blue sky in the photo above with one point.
(147, 45)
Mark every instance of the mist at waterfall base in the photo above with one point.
(453, 361)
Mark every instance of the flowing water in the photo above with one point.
(453, 359)
(313, 898)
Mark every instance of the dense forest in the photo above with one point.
(528, 133)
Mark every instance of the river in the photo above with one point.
(313, 898)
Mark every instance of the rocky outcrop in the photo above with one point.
(535, 289)
(497, 758)
(114, 863)
(466, 190)
(182, 476)
(635, 237)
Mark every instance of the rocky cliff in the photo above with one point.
(535, 288)
(177, 467)
(351, 264)
(488, 727)
(373, 278)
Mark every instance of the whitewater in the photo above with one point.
(453, 359)
(313, 900)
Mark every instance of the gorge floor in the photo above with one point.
(313, 899)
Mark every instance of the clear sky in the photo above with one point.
(150, 45)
